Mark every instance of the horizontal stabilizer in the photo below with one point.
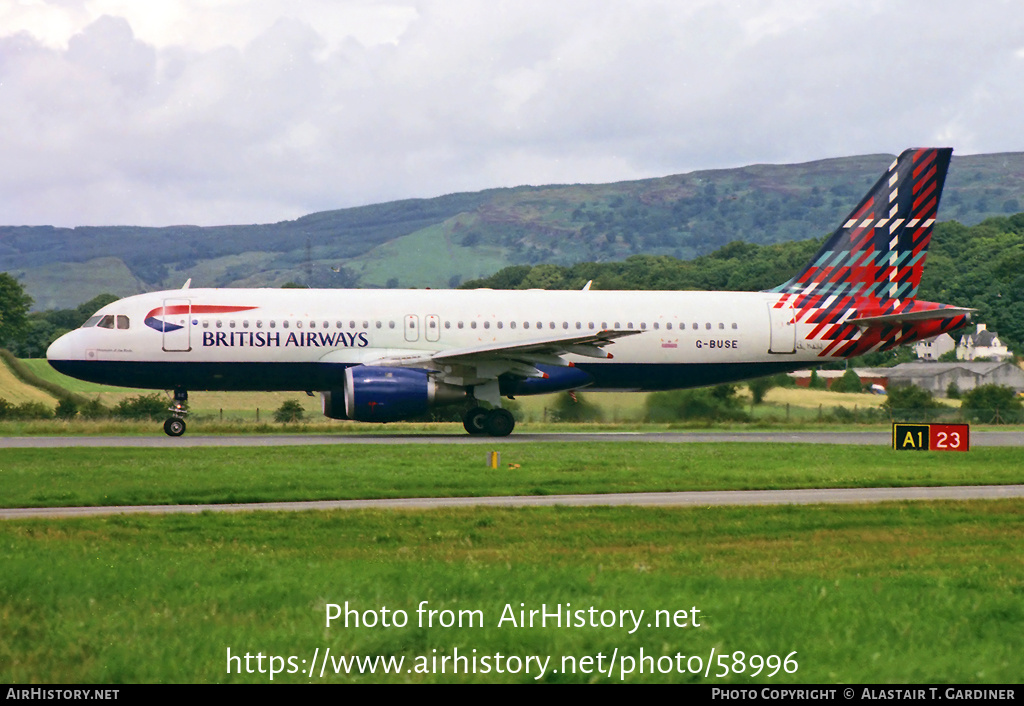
(947, 312)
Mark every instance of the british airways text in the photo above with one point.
(273, 339)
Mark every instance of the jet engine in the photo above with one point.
(380, 394)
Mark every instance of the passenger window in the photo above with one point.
(231, 324)
(721, 327)
(312, 324)
(734, 327)
(656, 325)
(472, 324)
(284, 324)
(245, 323)
(695, 326)
(500, 325)
(206, 323)
(707, 326)
(668, 327)
(487, 324)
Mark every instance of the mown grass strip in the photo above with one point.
(900, 592)
(118, 476)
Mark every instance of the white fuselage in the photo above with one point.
(270, 328)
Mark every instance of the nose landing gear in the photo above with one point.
(175, 426)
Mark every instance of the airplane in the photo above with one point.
(392, 355)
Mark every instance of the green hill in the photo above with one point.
(442, 241)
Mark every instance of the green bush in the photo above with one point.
(67, 408)
(289, 412)
(152, 406)
(991, 404)
(566, 409)
(909, 403)
(718, 403)
(849, 382)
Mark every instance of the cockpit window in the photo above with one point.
(109, 321)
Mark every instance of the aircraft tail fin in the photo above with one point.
(879, 250)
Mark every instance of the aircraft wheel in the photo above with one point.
(474, 420)
(499, 422)
(174, 427)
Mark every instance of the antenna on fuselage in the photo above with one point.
(188, 282)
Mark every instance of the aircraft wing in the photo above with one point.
(587, 345)
(478, 364)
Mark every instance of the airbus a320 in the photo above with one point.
(391, 355)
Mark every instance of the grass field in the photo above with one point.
(115, 476)
(903, 592)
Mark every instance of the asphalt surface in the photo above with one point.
(159, 440)
(681, 499)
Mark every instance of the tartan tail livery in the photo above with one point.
(858, 294)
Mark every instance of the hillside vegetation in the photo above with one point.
(981, 266)
(447, 240)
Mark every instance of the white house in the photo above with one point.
(931, 348)
(983, 344)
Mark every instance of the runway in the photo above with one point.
(680, 499)
(857, 438)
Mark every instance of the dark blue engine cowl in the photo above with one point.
(558, 378)
(382, 394)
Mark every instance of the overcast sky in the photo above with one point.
(243, 111)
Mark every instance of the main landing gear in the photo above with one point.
(175, 426)
(494, 422)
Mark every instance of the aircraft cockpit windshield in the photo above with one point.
(110, 321)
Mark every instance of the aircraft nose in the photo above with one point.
(63, 348)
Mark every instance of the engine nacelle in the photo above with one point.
(558, 378)
(332, 403)
(379, 394)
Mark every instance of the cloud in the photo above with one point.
(214, 111)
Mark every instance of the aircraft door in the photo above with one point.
(783, 329)
(177, 329)
(412, 328)
(433, 331)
